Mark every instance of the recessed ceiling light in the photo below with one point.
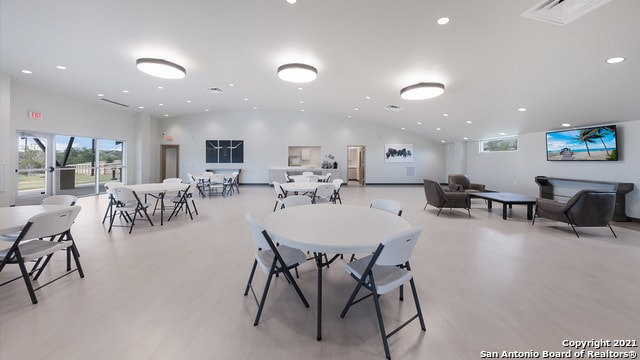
(566, 124)
(419, 123)
(442, 141)
(246, 99)
(100, 95)
(188, 101)
(125, 91)
(60, 67)
(27, 72)
(615, 60)
(231, 85)
(368, 97)
(292, 1)
(356, 109)
(255, 108)
(445, 114)
(503, 134)
(297, 73)
(438, 129)
(522, 109)
(140, 107)
(160, 104)
(469, 122)
(465, 138)
(349, 116)
(160, 87)
(443, 21)
(301, 102)
(299, 88)
(402, 128)
(166, 115)
(206, 110)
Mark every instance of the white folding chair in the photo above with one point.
(388, 205)
(129, 202)
(295, 200)
(280, 194)
(324, 194)
(68, 200)
(273, 260)
(337, 183)
(169, 194)
(110, 189)
(31, 245)
(387, 269)
(182, 201)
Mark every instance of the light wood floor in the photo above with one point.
(176, 292)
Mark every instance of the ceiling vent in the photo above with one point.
(215, 90)
(114, 102)
(395, 108)
(562, 12)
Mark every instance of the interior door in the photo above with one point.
(35, 169)
(170, 161)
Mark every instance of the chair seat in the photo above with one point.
(387, 278)
(290, 256)
(36, 249)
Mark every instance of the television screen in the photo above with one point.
(597, 143)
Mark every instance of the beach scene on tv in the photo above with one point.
(596, 143)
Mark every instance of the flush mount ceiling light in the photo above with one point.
(422, 91)
(160, 68)
(297, 73)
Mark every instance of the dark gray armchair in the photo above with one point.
(457, 181)
(585, 208)
(439, 198)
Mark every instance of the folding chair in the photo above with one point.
(129, 202)
(336, 194)
(110, 189)
(273, 260)
(391, 206)
(387, 269)
(280, 194)
(31, 245)
(324, 194)
(182, 201)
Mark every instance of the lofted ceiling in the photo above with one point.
(491, 59)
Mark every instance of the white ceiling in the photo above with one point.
(490, 58)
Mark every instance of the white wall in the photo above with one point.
(267, 136)
(60, 115)
(516, 171)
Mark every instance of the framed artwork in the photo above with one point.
(398, 153)
(224, 151)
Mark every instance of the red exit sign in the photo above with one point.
(35, 115)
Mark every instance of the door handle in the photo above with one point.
(51, 169)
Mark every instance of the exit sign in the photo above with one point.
(35, 115)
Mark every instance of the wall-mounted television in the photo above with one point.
(597, 143)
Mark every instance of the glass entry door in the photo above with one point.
(34, 170)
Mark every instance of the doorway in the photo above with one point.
(170, 161)
(35, 168)
(355, 165)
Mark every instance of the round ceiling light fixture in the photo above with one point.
(422, 91)
(297, 73)
(161, 68)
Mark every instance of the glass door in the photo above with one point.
(34, 170)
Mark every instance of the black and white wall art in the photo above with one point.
(224, 151)
(398, 152)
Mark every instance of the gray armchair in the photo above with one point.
(439, 198)
(585, 208)
(457, 181)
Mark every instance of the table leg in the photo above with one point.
(319, 314)
(504, 211)
(529, 211)
(161, 208)
(489, 204)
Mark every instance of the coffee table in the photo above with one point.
(507, 199)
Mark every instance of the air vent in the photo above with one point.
(114, 102)
(411, 171)
(562, 12)
(215, 90)
(395, 108)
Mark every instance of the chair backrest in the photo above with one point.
(217, 178)
(172, 180)
(192, 189)
(388, 205)
(234, 176)
(397, 248)
(461, 179)
(312, 178)
(113, 184)
(337, 183)
(324, 191)
(68, 200)
(591, 207)
(307, 173)
(328, 177)
(49, 223)
(126, 196)
(434, 193)
(191, 177)
(279, 192)
(296, 200)
(256, 232)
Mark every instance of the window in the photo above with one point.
(501, 144)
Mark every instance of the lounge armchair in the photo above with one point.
(461, 182)
(586, 208)
(439, 198)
